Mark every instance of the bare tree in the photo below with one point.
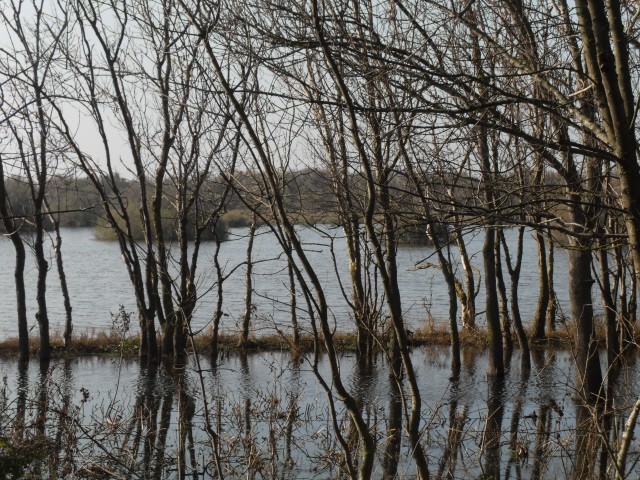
(201, 20)
(12, 226)
(31, 67)
(176, 146)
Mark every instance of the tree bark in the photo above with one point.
(507, 341)
(20, 254)
(514, 273)
(540, 315)
(68, 324)
(468, 295)
(248, 294)
(589, 373)
(552, 308)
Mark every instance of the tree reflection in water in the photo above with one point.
(68, 419)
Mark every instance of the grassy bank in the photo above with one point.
(112, 343)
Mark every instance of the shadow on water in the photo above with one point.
(102, 418)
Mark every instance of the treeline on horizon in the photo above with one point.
(73, 201)
(439, 117)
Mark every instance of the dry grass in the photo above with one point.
(85, 343)
(101, 342)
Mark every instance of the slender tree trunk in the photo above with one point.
(293, 295)
(217, 316)
(389, 276)
(633, 305)
(507, 341)
(20, 255)
(68, 326)
(552, 308)
(495, 366)
(540, 315)
(394, 426)
(468, 295)
(337, 153)
(21, 296)
(625, 443)
(453, 325)
(492, 308)
(589, 381)
(248, 295)
(626, 299)
(41, 293)
(514, 273)
(453, 286)
(610, 315)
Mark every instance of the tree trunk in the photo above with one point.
(540, 315)
(18, 245)
(514, 273)
(217, 316)
(606, 56)
(492, 310)
(589, 381)
(394, 425)
(610, 315)
(68, 326)
(248, 295)
(21, 296)
(507, 341)
(468, 300)
(293, 295)
(453, 324)
(41, 293)
(552, 307)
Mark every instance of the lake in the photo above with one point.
(98, 281)
(266, 415)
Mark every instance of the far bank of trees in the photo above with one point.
(480, 115)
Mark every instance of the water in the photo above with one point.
(269, 409)
(272, 416)
(98, 281)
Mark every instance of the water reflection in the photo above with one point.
(264, 416)
(493, 428)
(393, 430)
(455, 434)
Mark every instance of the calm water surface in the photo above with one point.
(98, 281)
(269, 406)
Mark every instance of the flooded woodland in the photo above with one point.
(319, 239)
(264, 415)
